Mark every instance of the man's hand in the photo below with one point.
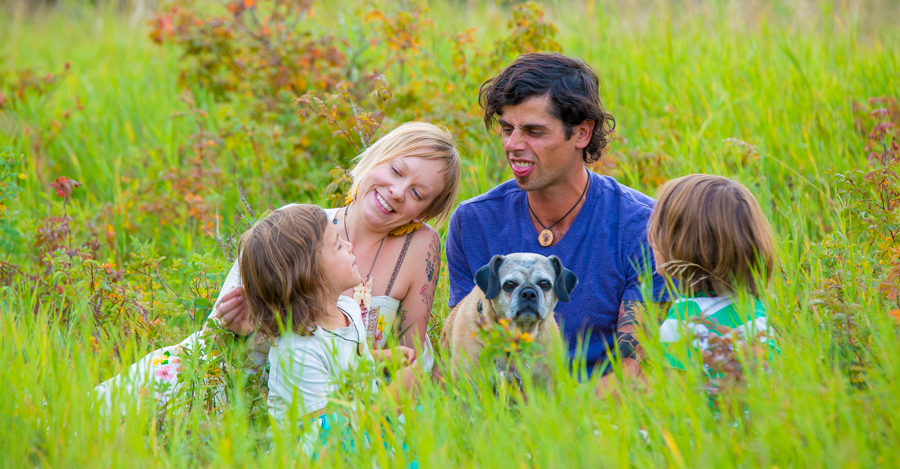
(231, 309)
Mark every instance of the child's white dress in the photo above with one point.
(312, 368)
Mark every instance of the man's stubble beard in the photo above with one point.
(538, 182)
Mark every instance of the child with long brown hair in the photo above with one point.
(294, 267)
(709, 234)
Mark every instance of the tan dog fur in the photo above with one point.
(461, 326)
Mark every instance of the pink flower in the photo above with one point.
(163, 373)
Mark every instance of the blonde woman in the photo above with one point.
(405, 179)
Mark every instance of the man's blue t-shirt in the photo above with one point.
(606, 247)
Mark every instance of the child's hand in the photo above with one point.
(406, 355)
(409, 354)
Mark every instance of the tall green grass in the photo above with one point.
(681, 81)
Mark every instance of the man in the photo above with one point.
(551, 124)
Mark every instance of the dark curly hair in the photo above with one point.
(571, 84)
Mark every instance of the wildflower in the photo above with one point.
(526, 337)
(163, 373)
(21, 175)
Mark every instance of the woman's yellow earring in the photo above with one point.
(407, 228)
(350, 197)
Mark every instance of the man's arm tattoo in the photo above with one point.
(630, 316)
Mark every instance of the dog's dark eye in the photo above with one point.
(509, 285)
(544, 284)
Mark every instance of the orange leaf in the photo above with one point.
(894, 314)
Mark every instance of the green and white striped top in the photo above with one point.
(721, 310)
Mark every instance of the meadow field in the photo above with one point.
(135, 148)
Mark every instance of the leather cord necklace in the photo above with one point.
(347, 209)
(358, 341)
(546, 236)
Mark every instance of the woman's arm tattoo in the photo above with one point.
(432, 271)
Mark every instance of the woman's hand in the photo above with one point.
(233, 313)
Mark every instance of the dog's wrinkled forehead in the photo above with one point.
(526, 268)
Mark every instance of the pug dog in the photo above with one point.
(522, 288)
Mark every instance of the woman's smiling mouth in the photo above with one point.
(382, 204)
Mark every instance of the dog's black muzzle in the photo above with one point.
(528, 304)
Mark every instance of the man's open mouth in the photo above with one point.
(521, 168)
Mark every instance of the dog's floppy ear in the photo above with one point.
(565, 280)
(488, 277)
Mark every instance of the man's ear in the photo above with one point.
(565, 280)
(583, 133)
(488, 277)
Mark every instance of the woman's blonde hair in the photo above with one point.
(282, 272)
(423, 140)
(712, 235)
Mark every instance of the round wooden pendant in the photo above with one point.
(546, 238)
(359, 349)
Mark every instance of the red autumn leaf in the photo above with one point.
(64, 186)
